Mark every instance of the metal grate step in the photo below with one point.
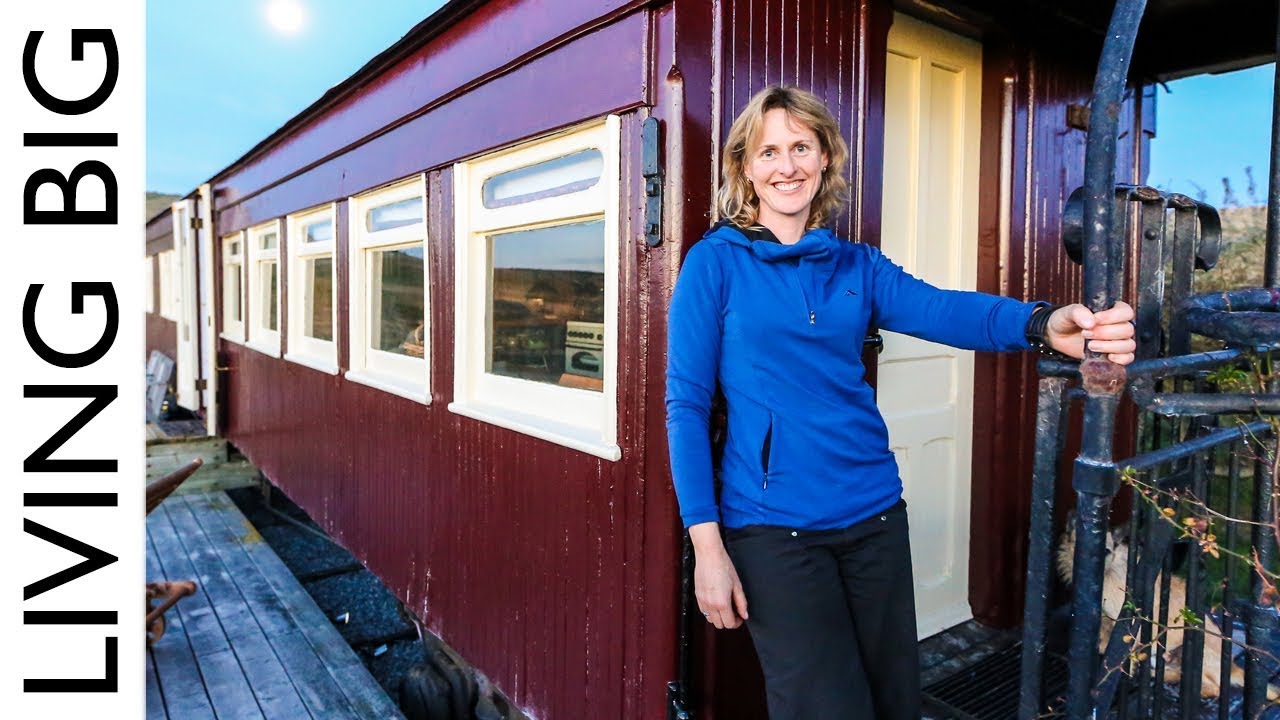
(988, 689)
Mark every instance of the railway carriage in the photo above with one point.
(432, 306)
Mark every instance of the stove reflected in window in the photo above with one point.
(546, 305)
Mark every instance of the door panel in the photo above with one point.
(188, 310)
(208, 338)
(925, 390)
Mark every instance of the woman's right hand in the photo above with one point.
(715, 581)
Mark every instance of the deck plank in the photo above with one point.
(319, 690)
(366, 697)
(225, 681)
(177, 674)
(155, 702)
(268, 679)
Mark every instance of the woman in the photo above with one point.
(772, 307)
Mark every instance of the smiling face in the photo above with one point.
(785, 169)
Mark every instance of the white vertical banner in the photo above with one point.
(71, 290)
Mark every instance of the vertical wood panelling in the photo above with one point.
(832, 48)
(1047, 163)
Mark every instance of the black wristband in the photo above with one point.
(1037, 331)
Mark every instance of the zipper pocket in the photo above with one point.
(764, 452)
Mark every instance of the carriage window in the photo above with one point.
(311, 286)
(561, 176)
(390, 339)
(537, 258)
(264, 288)
(233, 288)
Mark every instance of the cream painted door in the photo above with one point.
(188, 310)
(930, 228)
(208, 338)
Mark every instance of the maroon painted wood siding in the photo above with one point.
(552, 571)
(1047, 163)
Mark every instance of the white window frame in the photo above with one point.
(581, 419)
(261, 338)
(169, 288)
(303, 349)
(402, 375)
(149, 278)
(234, 330)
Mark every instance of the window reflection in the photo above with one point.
(231, 290)
(396, 277)
(561, 176)
(270, 300)
(546, 305)
(318, 316)
(319, 232)
(394, 215)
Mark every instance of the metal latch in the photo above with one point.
(874, 340)
(202, 385)
(650, 141)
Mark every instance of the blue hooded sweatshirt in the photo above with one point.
(780, 328)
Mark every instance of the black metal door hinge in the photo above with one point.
(651, 168)
(196, 223)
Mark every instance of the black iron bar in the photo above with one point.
(1193, 637)
(1206, 403)
(1271, 267)
(1040, 544)
(1144, 593)
(1147, 460)
(1184, 232)
(1095, 481)
(1161, 635)
(1248, 317)
(1228, 569)
(1100, 151)
(1182, 364)
(1261, 628)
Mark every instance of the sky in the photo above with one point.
(222, 77)
(1213, 126)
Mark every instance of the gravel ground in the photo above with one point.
(372, 611)
(389, 667)
(306, 553)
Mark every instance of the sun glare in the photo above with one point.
(286, 16)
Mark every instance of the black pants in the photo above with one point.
(832, 616)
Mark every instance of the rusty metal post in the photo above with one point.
(1095, 479)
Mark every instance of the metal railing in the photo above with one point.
(1203, 477)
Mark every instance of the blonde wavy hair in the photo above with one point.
(737, 200)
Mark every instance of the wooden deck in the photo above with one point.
(250, 643)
